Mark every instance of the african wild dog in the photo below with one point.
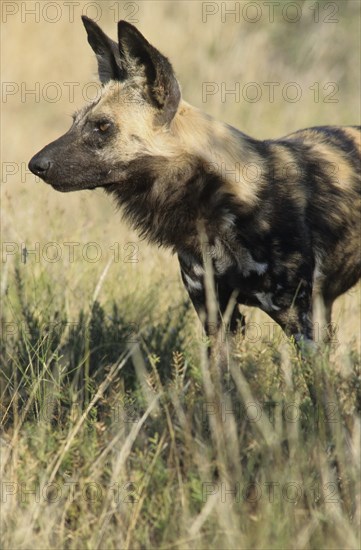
(282, 234)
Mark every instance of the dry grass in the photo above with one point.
(119, 409)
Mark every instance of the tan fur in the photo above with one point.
(191, 133)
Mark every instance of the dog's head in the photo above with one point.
(139, 98)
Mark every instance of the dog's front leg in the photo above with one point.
(223, 324)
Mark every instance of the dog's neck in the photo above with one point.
(203, 172)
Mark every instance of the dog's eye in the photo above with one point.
(103, 126)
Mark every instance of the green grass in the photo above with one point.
(115, 437)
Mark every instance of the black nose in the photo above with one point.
(39, 165)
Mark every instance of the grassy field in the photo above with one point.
(116, 431)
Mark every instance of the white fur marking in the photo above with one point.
(198, 270)
(195, 285)
(265, 298)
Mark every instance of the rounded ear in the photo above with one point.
(138, 57)
(106, 51)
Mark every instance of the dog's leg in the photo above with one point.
(220, 317)
(223, 330)
(297, 323)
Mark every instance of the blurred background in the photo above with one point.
(266, 68)
(79, 290)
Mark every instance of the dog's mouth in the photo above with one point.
(68, 187)
(65, 185)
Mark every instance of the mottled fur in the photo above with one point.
(281, 217)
